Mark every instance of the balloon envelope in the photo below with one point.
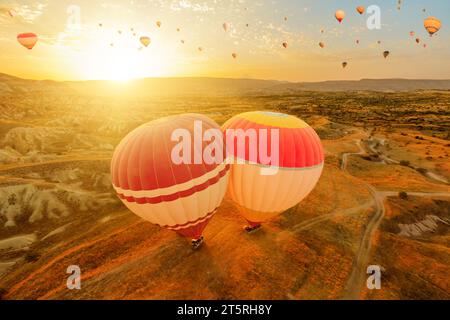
(28, 40)
(360, 9)
(432, 25)
(340, 15)
(261, 197)
(180, 197)
(145, 41)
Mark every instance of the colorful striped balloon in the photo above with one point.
(180, 197)
(28, 40)
(301, 159)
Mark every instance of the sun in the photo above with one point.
(123, 61)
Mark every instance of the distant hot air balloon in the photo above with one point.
(386, 54)
(432, 25)
(285, 44)
(178, 29)
(28, 40)
(412, 33)
(340, 15)
(179, 194)
(158, 24)
(182, 41)
(200, 49)
(322, 31)
(417, 40)
(145, 41)
(321, 44)
(360, 9)
(344, 64)
(357, 41)
(234, 55)
(246, 25)
(424, 45)
(260, 197)
(379, 41)
(100, 24)
(285, 18)
(226, 26)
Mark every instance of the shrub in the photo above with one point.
(2, 293)
(403, 195)
(404, 163)
(31, 256)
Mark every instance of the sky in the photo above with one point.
(80, 39)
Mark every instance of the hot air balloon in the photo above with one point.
(340, 15)
(200, 49)
(285, 18)
(417, 40)
(260, 195)
(158, 24)
(100, 24)
(145, 41)
(432, 25)
(357, 41)
(246, 25)
(424, 45)
(360, 9)
(154, 177)
(412, 33)
(386, 54)
(285, 44)
(226, 26)
(321, 44)
(322, 31)
(379, 42)
(344, 64)
(182, 41)
(28, 40)
(178, 29)
(234, 55)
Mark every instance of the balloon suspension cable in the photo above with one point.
(196, 243)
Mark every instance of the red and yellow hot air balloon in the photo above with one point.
(261, 187)
(432, 25)
(340, 15)
(360, 9)
(176, 188)
(28, 40)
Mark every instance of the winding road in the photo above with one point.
(358, 274)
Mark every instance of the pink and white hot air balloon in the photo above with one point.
(152, 182)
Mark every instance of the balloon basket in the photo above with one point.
(252, 228)
(196, 243)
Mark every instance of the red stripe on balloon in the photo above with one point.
(179, 194)
(298, 147)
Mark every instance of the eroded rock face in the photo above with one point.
(30, 204)
(429, 224)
